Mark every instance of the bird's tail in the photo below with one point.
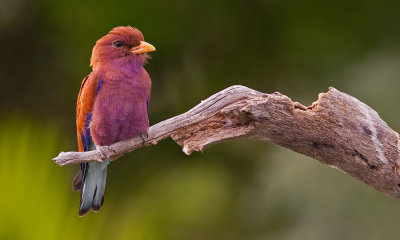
(94, 175)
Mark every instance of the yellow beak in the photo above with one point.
(144, 47)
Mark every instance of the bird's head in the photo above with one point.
(120, 43)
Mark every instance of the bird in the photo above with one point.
(112, 106)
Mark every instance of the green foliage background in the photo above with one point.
(236, 190)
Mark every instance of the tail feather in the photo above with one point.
(100, 187)
(94, 183)
(77, 183)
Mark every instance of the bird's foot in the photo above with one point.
(145, 135)
(106, 152)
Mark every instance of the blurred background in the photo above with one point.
(236, 190)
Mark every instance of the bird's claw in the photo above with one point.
(105, 151)
(145, 135)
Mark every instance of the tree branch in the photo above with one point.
(337, 130)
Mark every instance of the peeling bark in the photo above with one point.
(337, 130)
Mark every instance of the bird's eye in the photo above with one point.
(118, 44)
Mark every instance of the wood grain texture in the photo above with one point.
(337, 130)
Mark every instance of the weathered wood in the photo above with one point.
(337, 130)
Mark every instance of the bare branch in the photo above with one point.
(337, 130)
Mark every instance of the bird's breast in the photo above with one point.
(119, 112)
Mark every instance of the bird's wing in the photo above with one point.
(87, 94)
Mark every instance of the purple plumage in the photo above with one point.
(120, 108)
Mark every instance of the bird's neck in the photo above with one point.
(127, 66)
